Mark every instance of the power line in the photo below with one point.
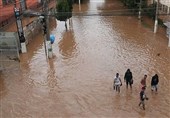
(122, 12)
(106, 10)
(92, 13)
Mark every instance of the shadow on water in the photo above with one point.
(68, 45)
(52, 77)
(3, 90)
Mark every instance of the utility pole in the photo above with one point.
(156, 17)
(140, 9)
(47, 42)
(169, 41)
(45, 26)
(20, 29)
(79, 5)
(23, 5)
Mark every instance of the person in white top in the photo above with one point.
(117, 83)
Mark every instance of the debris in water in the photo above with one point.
(158, 54)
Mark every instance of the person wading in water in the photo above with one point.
(154, 82)
(117, 83)
(143, 97)
(128, 78)
(143, 81)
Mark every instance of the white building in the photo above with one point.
(165, 6)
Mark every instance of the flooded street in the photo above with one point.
(78, 80)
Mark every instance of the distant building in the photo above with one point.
(165, 6)
(165, 10)
(4, 3)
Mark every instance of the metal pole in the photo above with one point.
(140, 8)
(156, 17)
(44, 32)
(48, 45)
(23, 5)
(46, 19)
(20, 30)
(169, 41)
(79, 6)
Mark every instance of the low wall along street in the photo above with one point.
(9, 49)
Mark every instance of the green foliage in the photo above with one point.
(77, 1)
(151, 10)
(131, 4)
(124, 2)
(134, 3)
(64, 10)
(161, 23)
(70, 3)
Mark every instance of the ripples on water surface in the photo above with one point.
(78, 80)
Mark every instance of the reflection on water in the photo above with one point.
(3, 90)
(77, 81)
(51, 78)
(67, 46)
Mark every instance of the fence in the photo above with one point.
(32, 29)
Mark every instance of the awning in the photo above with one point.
(167, 24)
(165, 2)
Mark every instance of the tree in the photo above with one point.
(151, 10)
(64, 10)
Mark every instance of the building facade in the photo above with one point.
(165, 6)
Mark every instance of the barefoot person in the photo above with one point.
(143, 81)
(117, 83)
(154, 82)
(143, 97)
(128, 78)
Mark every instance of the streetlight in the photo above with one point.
(140, 9)
(79, 5)
(46, 34)
(156, 17)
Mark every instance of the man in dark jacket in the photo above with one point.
(128, 78)
(154, 82)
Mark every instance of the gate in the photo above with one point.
(9, 50)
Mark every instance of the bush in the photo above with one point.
(151, 10)
(64, 10)
(161, 23)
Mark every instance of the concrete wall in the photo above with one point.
(9, 40)
(32, 29)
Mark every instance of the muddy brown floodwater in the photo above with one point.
(77, 81)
